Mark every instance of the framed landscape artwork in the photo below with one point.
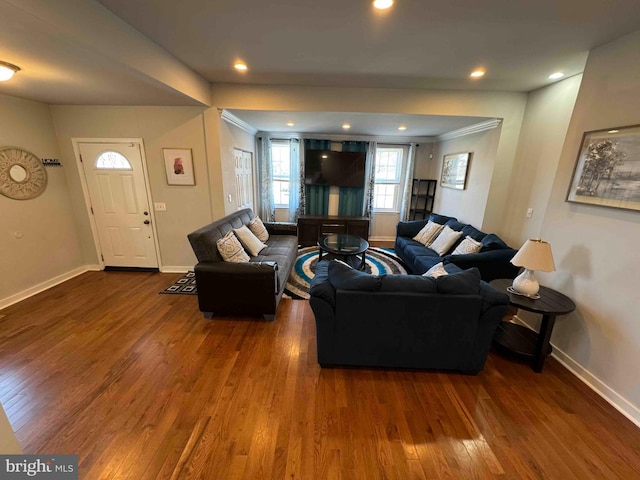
(607, 171)
(178, 164)
(454, 170)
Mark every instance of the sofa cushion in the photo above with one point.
(436, 271)
(408, 283)
(454, 224)
(422, 263)
(428, 233)
(231, 249)
(465, 282)
(249, 241)
(473, 232)
(447, 238)
(343, 277)
(258, 229)
(492, 242)
(441, 219)
(468, 245)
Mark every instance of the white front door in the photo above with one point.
(118, 193)
(244, 178)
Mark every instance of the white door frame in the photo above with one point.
(87, 198)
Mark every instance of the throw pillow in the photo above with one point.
(428, 233)
(445, 240)
(250, 242)
(468, 245)
(231, 250)
(343, 277)
(466, 282)
(436, 271)
(258, 229)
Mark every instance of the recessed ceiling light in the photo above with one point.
(7, 70)
(325, 156)
(402, 127)
(555, 76)
(613, 131)
(241, 66)
(382, 4)
(290, 124)
(477, 73)
(346, 126)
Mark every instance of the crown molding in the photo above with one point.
(233, 120)
(470, 130)
(341, 138)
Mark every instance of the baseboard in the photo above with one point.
(382, 239)
(176, 269)
(617, 401)
(41, 287)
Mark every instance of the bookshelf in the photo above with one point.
(423, 193)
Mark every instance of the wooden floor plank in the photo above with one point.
(141, 386)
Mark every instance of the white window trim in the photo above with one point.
(398, 197)
(275, 178)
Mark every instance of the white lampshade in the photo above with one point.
(533, 255)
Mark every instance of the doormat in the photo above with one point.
(185, 285)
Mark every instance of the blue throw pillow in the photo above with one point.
(454, 224)
(408, 283)
(441, 219)
(343, 277)
(474, 233)
(466, 282)
(492, 242)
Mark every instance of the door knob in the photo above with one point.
(147, 222)
(146, 213)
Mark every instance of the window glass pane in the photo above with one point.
(388, 166)
(384, 196)
(112, 161)
(280, 160)
(281, 192)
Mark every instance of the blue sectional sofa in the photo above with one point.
(493, 260)
(404, 321)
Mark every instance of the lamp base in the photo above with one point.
(526, 283)
(515, 292)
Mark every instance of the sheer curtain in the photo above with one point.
(370, 178)
(267, 210)
(408, 182)
(296, 181)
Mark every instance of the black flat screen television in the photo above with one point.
(342, 169)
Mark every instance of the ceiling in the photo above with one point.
(163, 52)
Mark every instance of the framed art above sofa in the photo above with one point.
(454, 170)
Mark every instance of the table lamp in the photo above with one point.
(535, 254)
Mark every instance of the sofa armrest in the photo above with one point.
(281, 228)
(492, 264)
(410, 229)
(320, 286)
(226, 287)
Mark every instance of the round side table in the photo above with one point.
(522, 341)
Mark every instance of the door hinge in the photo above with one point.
(92, 211)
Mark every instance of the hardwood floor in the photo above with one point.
(141, 386)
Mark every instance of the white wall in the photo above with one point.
(468, 205)
(188, 207)
(38, 237)
(544, 129)
(596, 248)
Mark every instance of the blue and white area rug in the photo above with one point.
(377, 261)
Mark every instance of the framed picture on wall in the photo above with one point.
(178, 164)
(454, 170)
(607, 171)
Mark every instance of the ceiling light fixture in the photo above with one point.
(240, 66)
(555, 76)
(290, 124)
(346, 126)
(382, 4)
(477, 73)
(402, 127)
(7, 70)
(613, 131)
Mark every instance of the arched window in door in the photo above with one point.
(112, 161)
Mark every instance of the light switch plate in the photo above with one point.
(160, 207)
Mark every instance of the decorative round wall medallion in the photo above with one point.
(22, 175)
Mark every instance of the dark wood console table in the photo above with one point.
(522, 341)
(311, 228)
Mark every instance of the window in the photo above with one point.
(387, 190)
(281, 165)
(112, 161)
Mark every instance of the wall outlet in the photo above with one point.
(160, 207)
(529, 212)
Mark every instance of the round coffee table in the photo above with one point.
(346, 247)
(522, 341)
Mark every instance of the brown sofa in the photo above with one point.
(253, 288)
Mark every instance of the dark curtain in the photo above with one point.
(352, 198)
(317, 196)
